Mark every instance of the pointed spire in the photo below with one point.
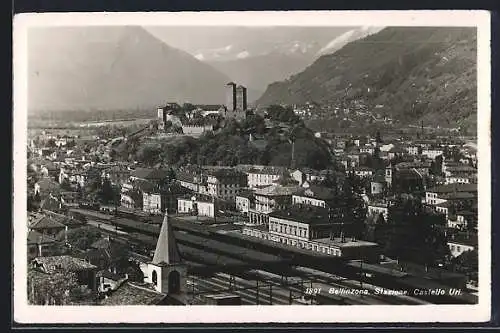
(166, 247)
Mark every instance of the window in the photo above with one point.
(154, 278)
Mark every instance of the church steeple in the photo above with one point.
(166, 272)
(166, 251)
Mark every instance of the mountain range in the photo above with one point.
(410, 73)
(258, 56)
(113, 67)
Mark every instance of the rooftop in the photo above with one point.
(464, 238)
(46, 223)
(276, 190)
(35, 238)
(317, 192)
(145, 185)
(133, 294)
(225, 173)
(166, 247)
(108, 275)
(458, 196)
(149, 174)
(302, 214)
(348, 242)
(449, 188)
(267, 170)
(66, 262)
(246, 194)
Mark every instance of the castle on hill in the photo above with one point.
(236, 107)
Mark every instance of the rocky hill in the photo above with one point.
(408, 73)
(109, 68)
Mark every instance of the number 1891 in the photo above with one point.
(313, 291)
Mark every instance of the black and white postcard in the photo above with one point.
(288, 166)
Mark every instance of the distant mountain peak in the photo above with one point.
(114, 67)
(347, 37)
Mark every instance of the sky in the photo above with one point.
(193, 39)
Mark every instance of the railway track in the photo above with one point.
(321, 280)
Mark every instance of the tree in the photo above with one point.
(282, 114)
(83, 237)
(51, 143)
(411, 233)
(65, 185)
(467, 262)
(352, 210)
(378, 137)
(93, 180)
(254, 124)
(107, 193)
(187, 107)
(136, 196)
(135, 273)
(119, 256)
(436, 168)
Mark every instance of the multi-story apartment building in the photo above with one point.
(439, 194)
(263, 176)
(313, 195)
(225, 183)
(268, 199)
(432, 153)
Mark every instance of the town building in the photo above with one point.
(310, 229)
(459, 245)
(413, 150)
(396, 151)
(377, 185)
(244, 201)
(363, 171)
(268, 199)
(161, 198)
(439, 194)
(46, 225)
(85, 272)
(314, 195)
(225, 183)
(41, 244)
(196, 204)
(432, 153)
(263, 176)
(194, 181)
(117, 174)
(369, 149)
(377, 208)
(461, 178)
